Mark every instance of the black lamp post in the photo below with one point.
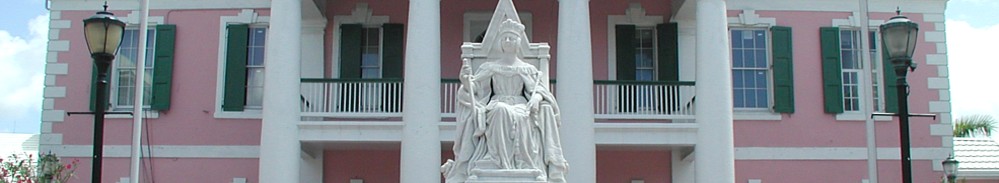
(103, 33)
(950, 167)
(898, 35)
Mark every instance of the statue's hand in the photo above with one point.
(465, 75)
(534, 102)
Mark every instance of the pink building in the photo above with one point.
(362, 90)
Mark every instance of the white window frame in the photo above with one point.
(748, 19)
(484, 16)
(360, 15)
(132, 20)
(246, 16)
(248, 67)
(768, 70)
(634, 15)
(854, 23)
(115, 77)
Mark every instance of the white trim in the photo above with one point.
(360, 15)
(246, 16)
(158, 5)
(936, 59)
(158, 151)
(854, 21)
(58, 45)
(749, 18)
(238, 180)
(52, 56)
(756, 115)
(859, 116)
(53, 115)
(634, 15)
(754, 181)
(54, 92)
(933, 17)
(467, 35)
(941, 129)
(834, 153)
(911, 6)
(935, 37)
(56, 69)
(938, 83)
(60, 24)
(49, 138)
(939, 106)
(133, 19)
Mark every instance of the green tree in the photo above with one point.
(974, 126)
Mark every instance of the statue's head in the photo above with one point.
(509, 37)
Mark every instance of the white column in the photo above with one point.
(279, 146)
(421, 146)
(574, 62)
(714, 152)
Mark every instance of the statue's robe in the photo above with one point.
(497, 130)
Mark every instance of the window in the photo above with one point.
(645, 54)
(750, 69)
(853, 70)
(255, 67)
(371, 65)
(124, 70)
(244, 67)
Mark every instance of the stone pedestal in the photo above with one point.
(507, 176)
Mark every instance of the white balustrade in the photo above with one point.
(351, 98)
(643, 100)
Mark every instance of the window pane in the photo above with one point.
(737, 38)
(740, 98)
(737, 60)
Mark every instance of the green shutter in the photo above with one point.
(669, 60)
(392, 50)
(163, 66)
(350, 50)
(783, 69)
(889, 83)
(625, 55)
(234, 98)
(831, 70)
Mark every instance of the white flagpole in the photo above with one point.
(868, 92)
(137, 104)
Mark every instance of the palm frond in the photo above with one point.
(974, 126)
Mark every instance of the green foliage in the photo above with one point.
(974, 126)
(24, 169)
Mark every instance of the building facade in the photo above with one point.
(362, 90)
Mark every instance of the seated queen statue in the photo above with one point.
(507, 118)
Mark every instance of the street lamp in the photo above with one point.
(898, 36)
(950, 168)
(103, 33)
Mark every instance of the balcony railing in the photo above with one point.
(351, 98)
(643, 99)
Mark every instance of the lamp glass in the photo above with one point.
(899, 36)
(950, 166)
(103, 33)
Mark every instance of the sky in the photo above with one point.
(972, 32)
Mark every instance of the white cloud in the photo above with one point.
(22, 65)
(973, 68)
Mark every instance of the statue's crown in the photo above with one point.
(511, 26)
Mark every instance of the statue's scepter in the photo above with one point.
(480, 121)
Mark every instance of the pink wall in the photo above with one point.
(829, 171)
(193, 101)
(374, 166)
(173, 169)
(615, 166)
(810, 126)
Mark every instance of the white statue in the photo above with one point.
(507, 123)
